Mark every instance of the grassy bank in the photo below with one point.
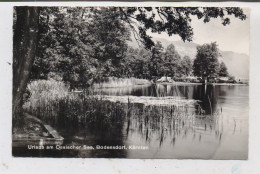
(29, 127)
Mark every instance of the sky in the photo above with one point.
(233, 37)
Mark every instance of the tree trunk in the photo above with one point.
(24, 51)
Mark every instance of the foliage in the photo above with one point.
(137, 63)
(223, 70)
(172, 61)
(76, 43)
(186, 64)
(206, 62)
(82, 45)
(173, 20)
(155, 62)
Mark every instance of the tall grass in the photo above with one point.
(51, 89)
(112, 82)
(51, 101)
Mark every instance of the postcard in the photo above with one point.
(142, 82)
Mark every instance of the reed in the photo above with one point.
(112, 82)
(52, 102)
(44, 96)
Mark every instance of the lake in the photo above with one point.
(215, 127)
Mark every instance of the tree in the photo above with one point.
(186, 65)
(144, 56)
(155, 62)
(223, 72)
(172, 61)
(206, 62)
(102, 39)
(138, 64)
(80, 44)
(24, 51)
(45, 61)
(172, 20)
(129, 65)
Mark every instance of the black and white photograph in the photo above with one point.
(154, 82)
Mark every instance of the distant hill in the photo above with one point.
(183, 48)
(237, 64)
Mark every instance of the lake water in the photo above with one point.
(217, 128)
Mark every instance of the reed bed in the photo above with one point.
(112, 82)
(53, 102)
(44, 96)
(148, 101)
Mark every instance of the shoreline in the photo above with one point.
(135, 82)
(34, 132)
(190, 83)
(176, 83)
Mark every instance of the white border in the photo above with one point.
(11, 165)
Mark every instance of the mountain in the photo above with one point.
(183, 48)
(237, 63)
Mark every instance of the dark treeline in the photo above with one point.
(84, 45)
(154, 63)
(160, 61)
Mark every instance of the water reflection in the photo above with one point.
(216, 128)
(207, 94)
(212, 129)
